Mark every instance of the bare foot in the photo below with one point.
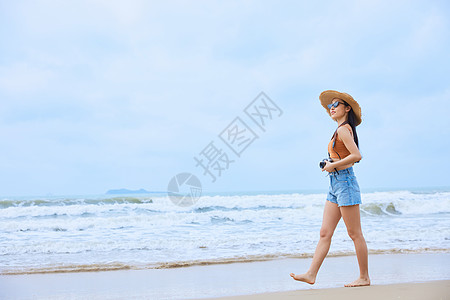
(361, 281)
(304, 277)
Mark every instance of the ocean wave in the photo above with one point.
(5, 203)
(405, 203)
(392, 203)
(376, 209)
(146, 213)
(389, 203)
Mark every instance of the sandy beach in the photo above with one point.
(394, 276)
(412, 291)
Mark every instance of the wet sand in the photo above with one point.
(425, 274)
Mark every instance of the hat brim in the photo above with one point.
(327, 97)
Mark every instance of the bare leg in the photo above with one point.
(331, 217)
(352, 220)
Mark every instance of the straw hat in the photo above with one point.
(327, 97)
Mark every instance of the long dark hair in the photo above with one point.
(352, 121)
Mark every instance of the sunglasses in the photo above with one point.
(335, 104)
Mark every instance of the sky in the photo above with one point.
(99, 95)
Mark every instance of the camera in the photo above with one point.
(322, 163)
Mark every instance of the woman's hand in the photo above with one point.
(329, 167)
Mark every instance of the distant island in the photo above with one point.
(127, 191)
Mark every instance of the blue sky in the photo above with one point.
(96, 95)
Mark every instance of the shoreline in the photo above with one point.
(118, 266)
(226, 280)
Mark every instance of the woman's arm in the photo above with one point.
(349, 143)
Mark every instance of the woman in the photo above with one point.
(344, 196)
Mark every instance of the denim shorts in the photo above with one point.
(344, 189)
